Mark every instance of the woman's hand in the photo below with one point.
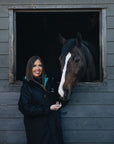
(56, 106)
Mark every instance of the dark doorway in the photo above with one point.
(37, 34)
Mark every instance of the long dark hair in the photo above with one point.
(29, 67)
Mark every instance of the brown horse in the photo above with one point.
(77, 64)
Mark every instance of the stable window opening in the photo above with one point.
(37, 34)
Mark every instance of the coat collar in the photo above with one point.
(36, 84)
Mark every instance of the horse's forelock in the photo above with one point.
(69, 45)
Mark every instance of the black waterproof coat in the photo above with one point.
(42, 125)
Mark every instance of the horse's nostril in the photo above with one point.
(66, 92)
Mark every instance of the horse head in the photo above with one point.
(77, 64)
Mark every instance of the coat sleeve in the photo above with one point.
(25, 105)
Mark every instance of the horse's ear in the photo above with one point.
(59, 58)
(78, 39)
(62, 39)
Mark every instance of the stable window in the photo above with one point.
(37, 34)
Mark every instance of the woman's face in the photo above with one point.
(37, 68)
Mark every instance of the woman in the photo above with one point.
(39, 106)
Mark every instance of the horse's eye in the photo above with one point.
(77, 60)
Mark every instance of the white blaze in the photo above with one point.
(60, 89)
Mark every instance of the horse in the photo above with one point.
(77, 65)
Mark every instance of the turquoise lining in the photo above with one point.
(45, 80)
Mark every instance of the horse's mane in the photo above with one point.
(69, 45)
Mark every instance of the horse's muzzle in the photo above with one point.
(67, 93)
